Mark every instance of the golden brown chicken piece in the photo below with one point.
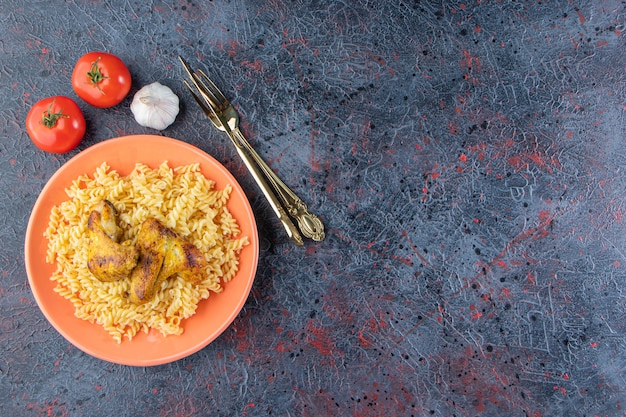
(107, 259)
(109, 220)
(162, 254)
(143, 279)
(183, 258)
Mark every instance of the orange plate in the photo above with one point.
(213, 315)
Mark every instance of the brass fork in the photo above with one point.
(282, 199)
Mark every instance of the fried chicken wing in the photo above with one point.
(109, 220)
(162, 254)
(144, 279)
(183, 258)
(107, 259)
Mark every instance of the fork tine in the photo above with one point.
(186, 66)
(221, 98)
(199, 84)
(214, 99)
(207, 88)
(199, 100)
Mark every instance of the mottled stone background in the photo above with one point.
(467, 159)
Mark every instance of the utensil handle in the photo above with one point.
(290, 228)
(310, 225)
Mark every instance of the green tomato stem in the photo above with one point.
(50, 119)
(94, 74)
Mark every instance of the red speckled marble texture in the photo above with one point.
(467, 158)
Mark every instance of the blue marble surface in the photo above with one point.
(467, 159)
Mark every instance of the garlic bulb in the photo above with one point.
(155, 106)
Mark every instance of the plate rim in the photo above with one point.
(252, 249)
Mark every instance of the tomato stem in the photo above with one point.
(50, 119)
(94, 74)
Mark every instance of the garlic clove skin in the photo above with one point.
(155, 106)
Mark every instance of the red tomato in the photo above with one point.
(101, 79)
(56, 124)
